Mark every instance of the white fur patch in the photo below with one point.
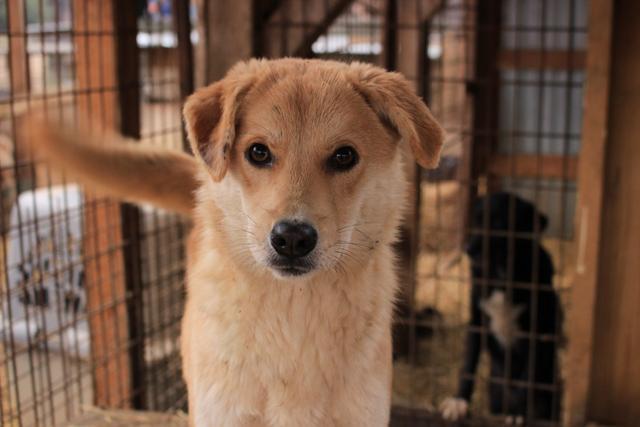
(503, 317)
(454, 408)
(514, 420)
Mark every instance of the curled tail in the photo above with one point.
(109, 164)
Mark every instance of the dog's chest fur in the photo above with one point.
(278, 351)
(503, 317)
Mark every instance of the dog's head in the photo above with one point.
(304, 159)
(499, 217)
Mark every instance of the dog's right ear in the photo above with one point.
(202, 113)
(210, 117)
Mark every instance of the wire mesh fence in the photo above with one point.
(92, 290)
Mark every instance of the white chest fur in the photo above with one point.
(283, 354)
(503, 317)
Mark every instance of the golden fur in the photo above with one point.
(261, 349)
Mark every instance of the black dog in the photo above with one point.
(514, 312)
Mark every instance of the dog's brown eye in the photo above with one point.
(343, 159)
(259, 155)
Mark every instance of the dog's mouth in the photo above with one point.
(289, 267)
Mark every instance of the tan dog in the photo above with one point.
(296, 194)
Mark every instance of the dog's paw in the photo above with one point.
(454, 408)
(517, 420)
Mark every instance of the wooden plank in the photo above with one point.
(225, 36)
(94, 417)
(615, 375)
(303, 48)
(390, 35)
(96, 80)
(20, 85)
(405, 57)
(532, 166)
(458, 106)
(409, 57)
(485, 88)
(129, 123)
(182, 26)
(542, 59)
(19, 65)
(580, 323)
(6, 407)
(295, 25)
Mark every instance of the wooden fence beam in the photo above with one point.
(293, 27)
(580, 322)
(97, 96)
(535, 59)
(533, 166)
(409, 32)
(614, 396)
(18, 47)
(225, 35)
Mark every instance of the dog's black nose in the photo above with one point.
(293, 239)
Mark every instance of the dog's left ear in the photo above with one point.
(394, 101)
(543, 220)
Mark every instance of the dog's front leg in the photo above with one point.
(222, 413)
(457, 407)
(365, 397)
(222, 401)
(368, 405)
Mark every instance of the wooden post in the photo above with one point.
(405, 58)
(457, 105)
(97, 96)
(20, 85)
(6, 411)
(19, 72)
(486, 87)
(225, 37)
(186, 63)
(409, 32)
(18, 47)
(580, 322)
(238, 30)
(614, 389)
(128, 66)
(282, 33)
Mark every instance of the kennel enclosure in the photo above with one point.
(92, 289)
